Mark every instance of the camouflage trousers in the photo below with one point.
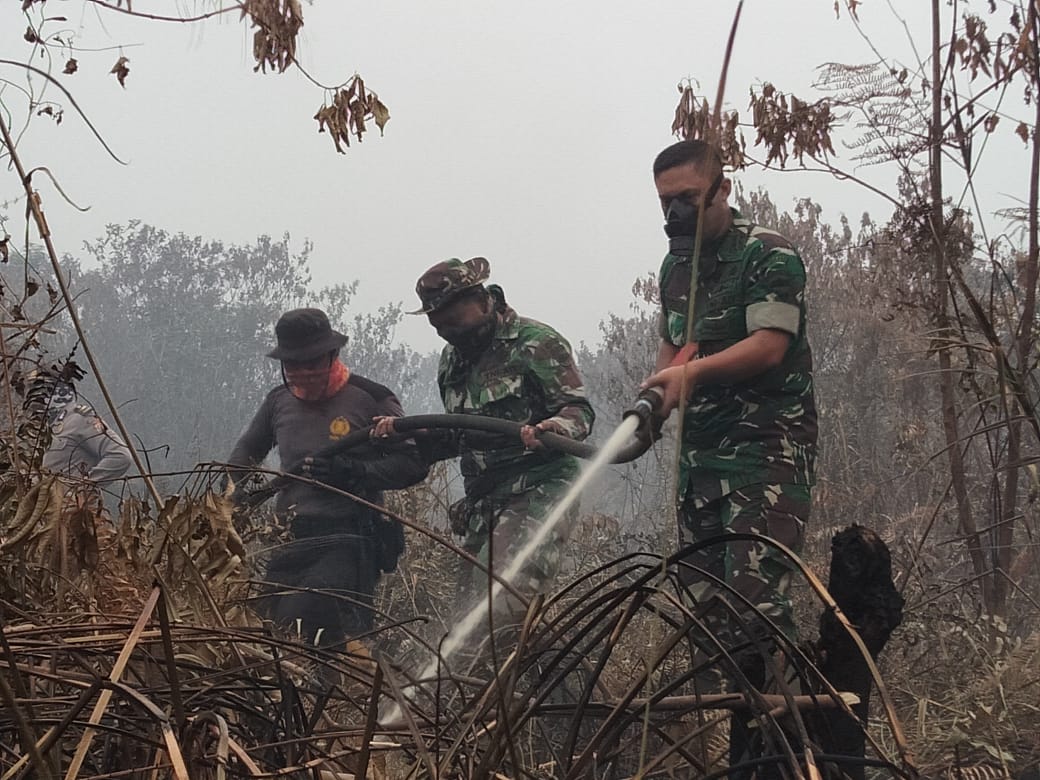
(755, 570)
(496, 528)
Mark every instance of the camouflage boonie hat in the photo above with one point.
(444, 281)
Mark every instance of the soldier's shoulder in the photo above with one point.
(542, 343)
(532, 330)
(768, 240)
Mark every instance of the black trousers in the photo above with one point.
(321, 585)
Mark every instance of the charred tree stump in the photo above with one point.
(861, 584)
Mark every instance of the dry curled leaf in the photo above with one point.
(787, 126)
(71, 66)
(5, 248)
(693, 119)
(381, 114)
(56, 114)
(853, 6)
(352, 105)
(122, 70)
(278, 23)
(30, 35)
(1023, 132)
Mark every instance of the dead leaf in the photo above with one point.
(380, 114)
(52, 112)
(30, 35)
(71, 66)
(5, 249)
(278, 24)
(121, 70)
(31, 286)
(1023, 132)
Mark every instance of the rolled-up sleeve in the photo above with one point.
(563, 389)
(775, 295)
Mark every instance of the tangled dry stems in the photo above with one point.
(595, 682)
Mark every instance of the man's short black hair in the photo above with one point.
(702, 155)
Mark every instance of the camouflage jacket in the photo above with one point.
(527, 375)
(762, 429)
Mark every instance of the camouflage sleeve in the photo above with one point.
(662, 325)
(435, 445)
(673, 288)
(775, 293)
(553, 368)
(442, 378)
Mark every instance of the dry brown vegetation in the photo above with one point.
(134, 652)
(148, 658)
(151, 660)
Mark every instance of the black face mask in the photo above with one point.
(472, 340)
(681, 218)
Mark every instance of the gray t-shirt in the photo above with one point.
(301, 428)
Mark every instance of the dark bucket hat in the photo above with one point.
(444, 281)
(304, 334)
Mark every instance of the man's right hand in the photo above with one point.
(671, 382)
(339, 471)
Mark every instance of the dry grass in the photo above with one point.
(595, 683)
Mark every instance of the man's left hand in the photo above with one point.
(529, 433)
(339, 471)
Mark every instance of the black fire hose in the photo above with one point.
(498, 432)
(506, 430)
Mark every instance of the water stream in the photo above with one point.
(461, 631)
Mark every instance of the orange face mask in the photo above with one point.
(310, 382)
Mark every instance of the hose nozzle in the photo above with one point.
(646, 406)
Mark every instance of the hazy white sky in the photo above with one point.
(520, 131)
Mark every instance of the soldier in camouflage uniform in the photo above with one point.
(499, 364)
(749, 433)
